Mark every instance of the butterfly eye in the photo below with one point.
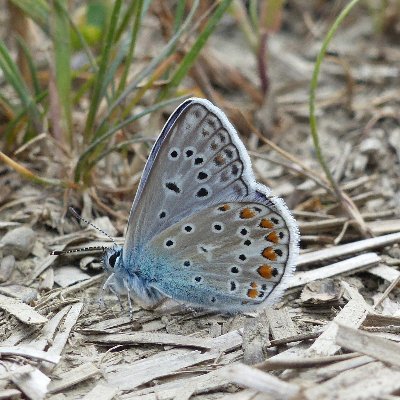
(113, 258)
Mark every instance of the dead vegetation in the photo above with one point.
(335, 333)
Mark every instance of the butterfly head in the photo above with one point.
(112, 258)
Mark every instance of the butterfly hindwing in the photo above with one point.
(231, 256)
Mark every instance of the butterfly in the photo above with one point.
(201, 230)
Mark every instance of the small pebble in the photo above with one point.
(19, 242)
(47, 281)
(6, 267)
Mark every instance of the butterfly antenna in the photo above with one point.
(62, 252)
(102, 248)
(92, 225)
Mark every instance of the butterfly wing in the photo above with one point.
(231, 256)
(182, 243)
(198, 160)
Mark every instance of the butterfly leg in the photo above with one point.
(129, 299)
(101, 300)
(109, 285)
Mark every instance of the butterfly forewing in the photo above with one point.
(199, 163)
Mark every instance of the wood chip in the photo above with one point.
(10, 394)
(253, 378)
(281, 325)
(7, 265)
(368, 344)
(32, 382)
(296, 363)
(106, 325)
(384, 227)
(185, 387)
(29, 353)
(21, 293)
(370, 381)
(363, 261)
(383, 271)
(352, 314)
(128, 377)
(101, 392)
(19, 335)
(73, 376)
(381, 320)
(7, 224)
(21, 311)
(332, 370)
(255, 339)
(377, 227)
(97, 279)
(247, 394)
(149, 338)
(69, 275)
(228, 342)
(47, 262)
(46, 335)
(294, 352)
(322, 292)
(47, 280)
(64, 331)
(349, 248)
(296, 338)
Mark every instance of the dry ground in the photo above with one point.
(333, 336)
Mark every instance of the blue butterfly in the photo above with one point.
(201, 230)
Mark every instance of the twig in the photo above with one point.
(303, 362)
(387, 291)
(291, 339)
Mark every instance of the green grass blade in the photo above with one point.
(179, 13)
(152, 65)
(99, 87)
(20, 118)
(82, 41)
(38, 10)
(31, 65)
(13, 77)
(31, 176)
(13, 128)
(127, 17)
(190, 57)
(254, 14)
(7, 106)
(313, 88)
(86, 154)
(60, 31)
(137, 11)
(121, 146)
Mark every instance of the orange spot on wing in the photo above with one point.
(225, 207)
(219, 160)
(247, 213)
(272, 237)
(252, 293)
(265, 271)
(269, 253)
(253, 285)
(266, 223)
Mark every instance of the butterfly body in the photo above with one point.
(202, 231)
